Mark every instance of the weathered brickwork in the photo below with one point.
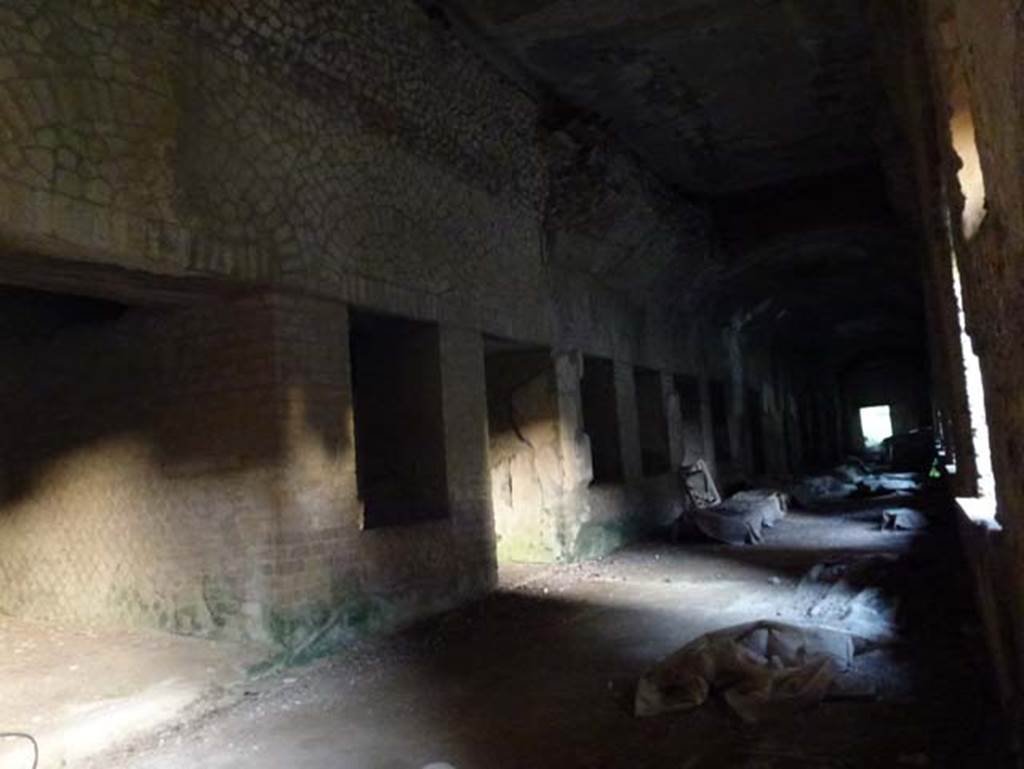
(625, 253)
(965, 56)
(319, 156)
(989, 37)
(201, 477)
(167, 413)
(223, 139)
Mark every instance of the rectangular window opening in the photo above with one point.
(524, 432)
(399, 422)
(653, 425)
(601, 419)
(970, 176)
(986, 486)
(875, 425)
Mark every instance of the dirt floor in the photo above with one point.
(76, 691)
(543, 673)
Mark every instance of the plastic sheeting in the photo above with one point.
(762, 669)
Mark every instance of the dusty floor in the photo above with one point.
(77, 690)
(542, 673)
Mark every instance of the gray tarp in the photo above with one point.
(852, 480)
(741, 518)
(904, 519)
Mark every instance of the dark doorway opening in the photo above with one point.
(688, 388)
(601, 419)
(399, 422)
(653, 426)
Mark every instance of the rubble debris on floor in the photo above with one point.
(762, 669)
(856, 593)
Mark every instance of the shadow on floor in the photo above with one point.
(542, 675)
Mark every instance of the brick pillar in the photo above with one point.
(464, 395)
(316, 518)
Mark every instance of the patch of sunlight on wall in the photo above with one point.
(975, 396)
(875, 424)
(970, 175)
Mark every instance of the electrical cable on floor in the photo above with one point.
(23, 736)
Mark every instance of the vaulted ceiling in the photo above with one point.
(771, 112)
(720, 95)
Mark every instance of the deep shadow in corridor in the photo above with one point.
(542, 673)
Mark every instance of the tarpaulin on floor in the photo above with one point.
(762, 669)
(741, 519)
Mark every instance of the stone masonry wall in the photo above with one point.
(988, 37)
(319, 155)
(351, 149)
(328, 569)
(138, 459)
(525, 455)
(194, 470)
(975, 47)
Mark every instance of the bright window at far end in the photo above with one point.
(875, 424)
